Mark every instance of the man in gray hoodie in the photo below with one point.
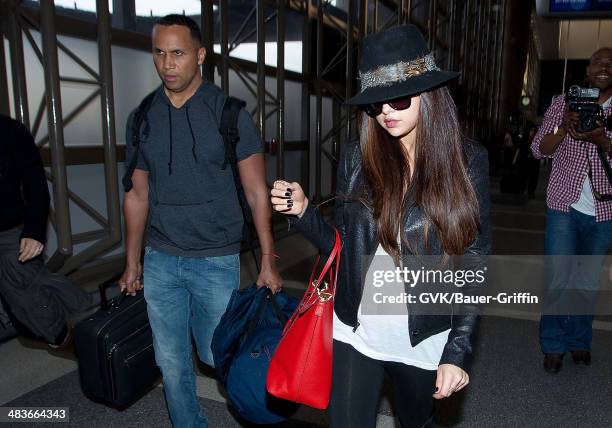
(187, 202)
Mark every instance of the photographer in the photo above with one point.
(579, 209)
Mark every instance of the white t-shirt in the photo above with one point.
(586, 202)
(386, 337)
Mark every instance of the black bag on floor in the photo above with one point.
(38, 300)
(115, 353)
(7, 328)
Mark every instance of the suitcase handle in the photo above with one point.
(103, 289)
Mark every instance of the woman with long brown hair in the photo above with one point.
(411, 186)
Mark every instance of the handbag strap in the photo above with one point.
(333, 256)
(330, 269)
(312, 295)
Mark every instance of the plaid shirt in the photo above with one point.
(571, 165)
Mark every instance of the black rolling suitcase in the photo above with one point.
(114, 347)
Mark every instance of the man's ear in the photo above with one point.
(201, 55)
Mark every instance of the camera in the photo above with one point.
(585, 101)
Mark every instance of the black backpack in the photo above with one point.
(228, 128)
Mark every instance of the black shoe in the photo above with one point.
(553, 362)
(581, 356)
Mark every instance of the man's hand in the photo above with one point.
(253, 178)
(135, 212)
(571, 119)
(449, 380)
(596, 136)
(29, 248)
(131, 280)
(269, 277)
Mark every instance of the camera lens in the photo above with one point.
(587, 123)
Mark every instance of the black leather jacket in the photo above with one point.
(358, 232)
(23, 186)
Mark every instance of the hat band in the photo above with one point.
(387, 75)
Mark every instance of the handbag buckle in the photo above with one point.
(322, 292)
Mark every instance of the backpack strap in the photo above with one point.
(228, 128)
(139, 117)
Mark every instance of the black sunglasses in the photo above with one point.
(374, 109)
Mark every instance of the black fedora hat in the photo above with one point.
(397, 63)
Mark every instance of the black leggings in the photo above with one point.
(357, 384)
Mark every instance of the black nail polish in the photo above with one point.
(437, 389)
(290, 205)
(287, 193)
(290, 201)
(289, 189)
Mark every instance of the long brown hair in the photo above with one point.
(439, 183)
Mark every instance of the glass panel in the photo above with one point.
(164, 7)
(248, 51)
(73, 8)
(84, 5)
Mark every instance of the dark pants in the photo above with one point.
(533, 173)
(357, 384)
(572, 281)
(38, 299)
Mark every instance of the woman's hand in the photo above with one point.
(288, 198)
(450, 379)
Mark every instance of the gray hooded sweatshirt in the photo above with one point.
(193, 203)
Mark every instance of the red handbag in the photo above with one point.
(301, 367)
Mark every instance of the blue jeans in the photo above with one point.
(186, 296)
(569, 234)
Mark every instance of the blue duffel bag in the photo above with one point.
(243, 344)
